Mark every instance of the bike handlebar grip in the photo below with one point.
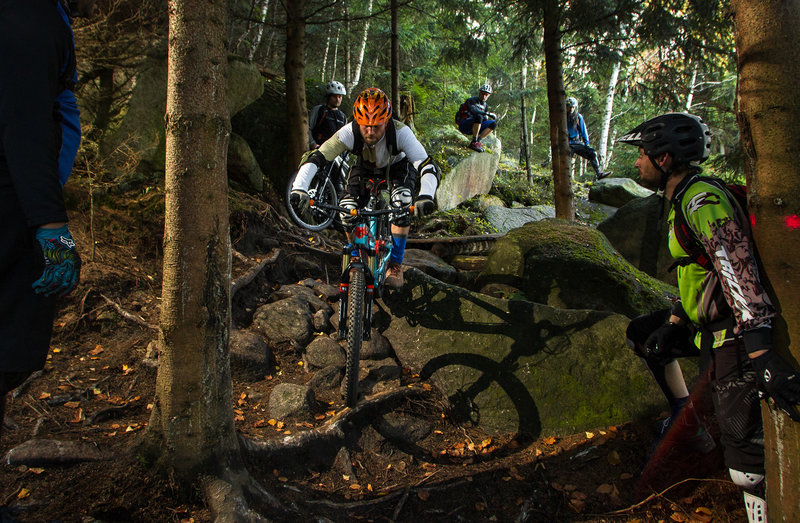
(353, 212)
(410, 208)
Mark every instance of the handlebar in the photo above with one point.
(362, 212)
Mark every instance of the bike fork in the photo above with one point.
(344, 289)
(368, 312)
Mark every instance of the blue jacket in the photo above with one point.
(577, 135)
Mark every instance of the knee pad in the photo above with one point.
(752, 485)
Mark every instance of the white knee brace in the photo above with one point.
(751, 484)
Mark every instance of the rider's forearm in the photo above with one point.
(304, 176)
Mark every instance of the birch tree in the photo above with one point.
(362, 49)
(608, 111)
(767, 32)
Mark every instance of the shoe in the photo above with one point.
(601, 175)
(475, 145)
(693, 437)
(394, 276)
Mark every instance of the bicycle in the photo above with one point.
(364, 264)
(325, 188)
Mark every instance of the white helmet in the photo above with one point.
(485, 88)
(335, 88)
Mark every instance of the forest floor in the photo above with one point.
(96, 390)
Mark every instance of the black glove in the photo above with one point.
(662, 340)
(779, 380)
(299, 200)
(423, 206)
(62, 265)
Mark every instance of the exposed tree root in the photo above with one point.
(227, 498)
(254, 271)
(332, 431)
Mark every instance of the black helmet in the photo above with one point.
(683, 135)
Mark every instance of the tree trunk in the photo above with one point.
(361, 51)
(395, 66)
(191, 429)
(335, 53)
(608, 111)
(767, 32)
(347, 44)
(259, 30)
(525, 156)
(690, 96)
(323, 72)
(295, 68)
(556, 98)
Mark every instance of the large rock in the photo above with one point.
(471, 176)
(617, 191)
(287, 321)
(638, 230)
(242, 165)
(428, 262)
(573, 267)
(504, 219)
(513, 365)
(142, 128)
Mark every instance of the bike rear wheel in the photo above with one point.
(321, 190)
(355, 335)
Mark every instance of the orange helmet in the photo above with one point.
(372, 107)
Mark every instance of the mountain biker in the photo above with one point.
(579, 138)
(325, 119)
(480, 122)
(383, 146)
(38, 259)
(726, 304)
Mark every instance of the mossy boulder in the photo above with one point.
(573, 267)
(515, 365)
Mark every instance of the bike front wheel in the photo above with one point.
(321, 190)
(355, 335)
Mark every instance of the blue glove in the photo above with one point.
(62, 265)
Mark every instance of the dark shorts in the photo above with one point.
(733, 390)
(466, 125)
(361, 177)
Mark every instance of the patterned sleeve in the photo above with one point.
(724, 233)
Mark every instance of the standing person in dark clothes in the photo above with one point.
(39, 136)
(724, 314)
(579, 138)
(325, 119)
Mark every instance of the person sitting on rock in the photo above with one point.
(579, 138)
(478, 122)
(378, 142)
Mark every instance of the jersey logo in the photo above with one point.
(736, 291)
(704, 198)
